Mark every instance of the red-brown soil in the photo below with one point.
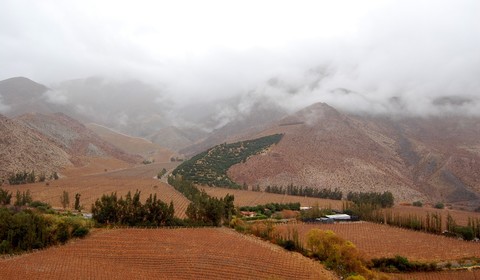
(199, 253)
(133, 145)
(441, 275)
(91, 187)
(376, 241)
(428, 159)
(251, 198)
(460, 217)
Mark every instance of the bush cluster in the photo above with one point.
(401, 264)
(110, 209)
(270, 208)
(384, 200)
(25, 229)
(204, 209)
(305, 191)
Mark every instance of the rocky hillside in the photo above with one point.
(20, 95)
(133, 145)
(73, 137)
(24, 149)
(243, 127)
(175, 139)
(429, 159)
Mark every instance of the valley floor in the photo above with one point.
(198, 253)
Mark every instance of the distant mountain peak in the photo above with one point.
(21, 82)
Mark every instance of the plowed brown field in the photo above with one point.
(460, 217)
(377, 241)
(121, 181)
(251, 198)
(201, 253)
(442, 275)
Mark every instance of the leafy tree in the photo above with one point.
(130, 210)
(42, 177)
(78, 207)
(384, 200)
(439, 205)
(23, 198)
(161, 173)
(417, 203)
(105, 209)
(5, 197)
(337, 253)
(65, 199)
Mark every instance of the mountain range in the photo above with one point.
(429, 158)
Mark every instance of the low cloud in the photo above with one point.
(3, 108)
(56, 97)
(382, 57)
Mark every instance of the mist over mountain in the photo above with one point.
(163, 65)
(416, 158)
(399, 77)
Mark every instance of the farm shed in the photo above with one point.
(339, 217)
(325, 220)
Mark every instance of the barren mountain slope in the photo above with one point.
(174, 138)
(21, 95)
(23, 149)
(132, 145)
(241, 128)
(412, 158)
(74, 137)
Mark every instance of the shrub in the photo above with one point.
(465, 232)
(289, 245)
(80, 232)
(417, 203)
(439, 205)
(401, 264)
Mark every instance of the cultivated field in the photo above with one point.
(460, 217)
(251, 198)
(441, 275)
(91, 187)
(200, 253)
(376, 241)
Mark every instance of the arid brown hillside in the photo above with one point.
(133, 145)
(241, 128)
(431, 159)
(23, 149)
(74, 137)
(21, 95)
(174, 138)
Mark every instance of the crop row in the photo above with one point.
(201, 253)
(377, 240)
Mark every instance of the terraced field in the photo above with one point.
(200, 253)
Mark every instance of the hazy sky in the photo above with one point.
(364, 55)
